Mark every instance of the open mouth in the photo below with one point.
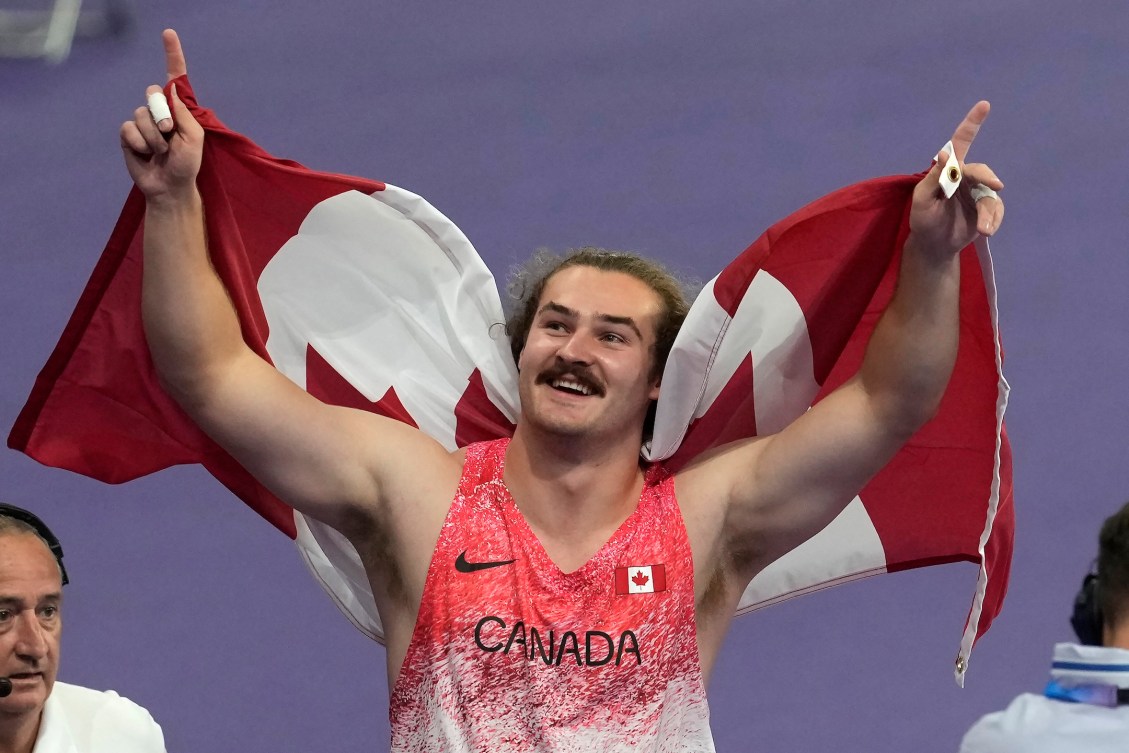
(572, 387)
(571, 379)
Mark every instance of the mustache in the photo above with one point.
(576, 372)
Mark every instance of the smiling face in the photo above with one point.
(30, 622)
(586, 368)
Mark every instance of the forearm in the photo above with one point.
(190, 324)
(913, 348)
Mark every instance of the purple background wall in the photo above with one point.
(677, 129)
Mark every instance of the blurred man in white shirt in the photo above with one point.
(37, 713)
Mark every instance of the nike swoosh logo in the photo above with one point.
(463, 566)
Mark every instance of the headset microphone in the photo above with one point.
(5, 687)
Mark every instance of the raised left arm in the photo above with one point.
(780, 490)
(913, 348)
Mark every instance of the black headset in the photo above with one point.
(22, 515)
(1087, 618)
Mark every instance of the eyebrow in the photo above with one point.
(10, 601)
(626, 321)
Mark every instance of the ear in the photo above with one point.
(654, 393)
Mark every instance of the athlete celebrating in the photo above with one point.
(550, 591)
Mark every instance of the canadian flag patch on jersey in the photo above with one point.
(640, 579)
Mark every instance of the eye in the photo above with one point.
(612, 337)
(5, 615)
(49, 612)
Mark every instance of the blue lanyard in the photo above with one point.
(1095, 694)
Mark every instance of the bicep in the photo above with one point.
(787, 487)
(325, 461)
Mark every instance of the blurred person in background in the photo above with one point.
(38, 714)
(1085, 706)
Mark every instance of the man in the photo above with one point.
(550, 592)
(37, 713)
(1085, 706)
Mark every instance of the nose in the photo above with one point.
(31, 640)
(576, 349)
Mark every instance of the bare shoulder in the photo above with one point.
(411, 468)
(724, 559)
(706, 489)
(416, 478)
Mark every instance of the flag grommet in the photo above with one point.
(949, 178)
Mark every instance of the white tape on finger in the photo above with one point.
(981, 191)
(950, 173)
(159, 107)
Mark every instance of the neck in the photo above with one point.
(1116, 636)
(573, 491)
(18, 732)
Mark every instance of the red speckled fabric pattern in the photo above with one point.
(510, 654)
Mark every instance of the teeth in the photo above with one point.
(570, 385)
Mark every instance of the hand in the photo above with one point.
(164, 158)
(945, 226)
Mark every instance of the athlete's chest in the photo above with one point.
(494, 588)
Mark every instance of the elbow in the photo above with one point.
(906, 415)
(184, 391)
(187, 372)
(190, 385)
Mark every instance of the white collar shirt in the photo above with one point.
(1037, 724)
(80, 720)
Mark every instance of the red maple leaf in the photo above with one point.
(639, 579)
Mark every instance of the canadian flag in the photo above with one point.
(366, 296)
(640, 579)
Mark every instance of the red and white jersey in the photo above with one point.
(511, 654)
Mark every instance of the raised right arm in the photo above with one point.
(329, 462)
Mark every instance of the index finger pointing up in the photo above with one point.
(174, 55)
(966, 132)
